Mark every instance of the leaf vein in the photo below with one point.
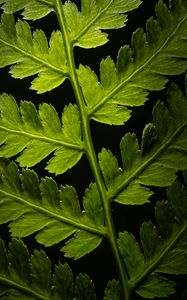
(66, 220)
(94, 108)
(152, 265)
(91, 22)
(36, 58)
(112, 194)
(43, 138)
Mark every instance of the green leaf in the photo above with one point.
(64, 282)
(164, 216)
(182, 245)
(3, 290)
(174, 262)
(160, 51)
(134, 194)
(34, 279)
(153, 164)
(130, 153)
(156, 286)
(40, 267)
(49, 192)
(16, 275)
(3, 258)
(150, 239)
(176, 154)
(85, 25)
(166, 253)
(113, 291)
(64, 159)
(54, 234)
(110, 113)
(109, 166)
(14, 295)
(84, 289)
(55, 215)
(30, 54)
(131, 253)
(31, 223)
(30, 133)
(81, 244)
(177, 197)
(33, 9)
(18, 258)
(92, 203)
(149, 137)
(70, 203)
(158, 175)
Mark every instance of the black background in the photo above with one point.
(99, 264)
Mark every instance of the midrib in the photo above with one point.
(139, 170)
(42, 138)
(54, 215)
(92, 21)
(22, 288)
(35, 58)
(152, 264)
(116, 89)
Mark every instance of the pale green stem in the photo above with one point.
(90, 152)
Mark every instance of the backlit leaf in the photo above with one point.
(36, 134)
(86, 26)
(30, 54)
(33, 9)
(38, 207)
(166, 253)
(39, 282)
(160, 51)
(154, 164)
(81, 244)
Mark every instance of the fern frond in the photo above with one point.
(163, 151)
(85, 25)
(32, 9)
(164, 249)
(161, 51)
(30, 54)
(35, 134)
(113, 291)
(56, 214)
(30, 277)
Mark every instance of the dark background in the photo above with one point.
(99, 264)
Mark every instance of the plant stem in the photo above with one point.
(107, 211)
(90, 151)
